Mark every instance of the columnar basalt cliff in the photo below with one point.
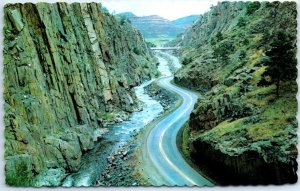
(242, 57)
(68, 69)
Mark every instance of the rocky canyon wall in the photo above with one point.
(68, 69)
(242, 57)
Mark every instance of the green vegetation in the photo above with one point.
(68, 87)
(150, 44)
(157, 74)
(123, 20)
(185, 141)
(186, 61)
(22, 175)
(219, 36)
(159, 41)
(136, 50)
(222, 50)
(245, 66)
(108, 115)
(282, 63)
(252, 7)
(272, 125)
(241, 22)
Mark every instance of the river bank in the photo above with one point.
(162, 163)
(97, 163)
(114, 159)
(125, 166)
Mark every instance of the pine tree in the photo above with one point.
(282, 59)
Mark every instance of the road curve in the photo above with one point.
(161, 143)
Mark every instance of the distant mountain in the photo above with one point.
(186, 21)
(154, 26)
(127, 14)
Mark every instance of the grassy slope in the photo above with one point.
(254, 117)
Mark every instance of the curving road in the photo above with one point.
(170, 167)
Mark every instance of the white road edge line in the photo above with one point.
(164, 131)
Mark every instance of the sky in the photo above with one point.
(169, 9)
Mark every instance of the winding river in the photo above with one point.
(161, 149)
(95, 160)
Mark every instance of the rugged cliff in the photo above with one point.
(69, 70)
(242, 57)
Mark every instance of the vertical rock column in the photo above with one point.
(66, 66)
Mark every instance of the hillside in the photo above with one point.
(69, 70)
(154, 26)
(186, 22)
(242, 58)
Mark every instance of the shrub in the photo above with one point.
(22, 177)
(150, 44)
(186, 61)
(219, 36)
(222, 50)
(213, 41)
(242, 54)
(252, 7)
(136, 51)
(241, 22)
(157, 74)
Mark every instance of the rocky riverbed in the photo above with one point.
(119, 170)
(114, 159)
(161, 95)
(70, 70)
(111, 161)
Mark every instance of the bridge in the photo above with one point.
(165, 48)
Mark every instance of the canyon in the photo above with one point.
(241, 56)
(88, 103)
(70, 70)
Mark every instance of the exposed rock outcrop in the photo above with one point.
(67, 68)
(243, 128)
(164, 97)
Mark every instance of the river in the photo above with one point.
(94, 161)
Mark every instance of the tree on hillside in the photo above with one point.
(219, 36)
(241, 22)
(282, 59)
(222, 50)
(150, 44)
(252, 7)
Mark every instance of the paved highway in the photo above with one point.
(161, 143)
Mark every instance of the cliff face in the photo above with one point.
(68, 69)
(196, 43)
(242, 57)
